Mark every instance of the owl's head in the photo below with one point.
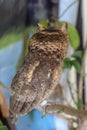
(54, 36)
(50, 42)
(56, 27)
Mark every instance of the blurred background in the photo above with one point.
(20, 16)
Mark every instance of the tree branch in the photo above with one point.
(82, 72)
(67, 110)
(72, 95)
(7, 88)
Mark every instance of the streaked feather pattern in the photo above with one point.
(40, 72)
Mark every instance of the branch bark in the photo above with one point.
(82, 72)
(67, 110)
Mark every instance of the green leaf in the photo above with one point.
(3, 128)
(15, 35)
(73, 36)
(76, 64)
(10, 39)
(74, 128)
(0, 123)
(44, 23)
(68, 63)
(77, 54)
(79, 104)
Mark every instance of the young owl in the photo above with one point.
(40, 72)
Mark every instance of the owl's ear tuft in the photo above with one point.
(64, 28)
(39, 28)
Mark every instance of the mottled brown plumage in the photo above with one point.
(40, 72)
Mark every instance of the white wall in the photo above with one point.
(84, 14)
(71, 17)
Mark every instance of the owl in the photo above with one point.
(40, 72)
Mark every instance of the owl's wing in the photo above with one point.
(24, 94)
(45, 83)
(24, 76)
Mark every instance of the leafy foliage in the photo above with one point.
(10, 38)
(14, 36)
(79, 104)
(68, 63)
(73, 36)
(3, 109)
(44, 23)
(3, 127)
(77, 54)
(72, 61)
